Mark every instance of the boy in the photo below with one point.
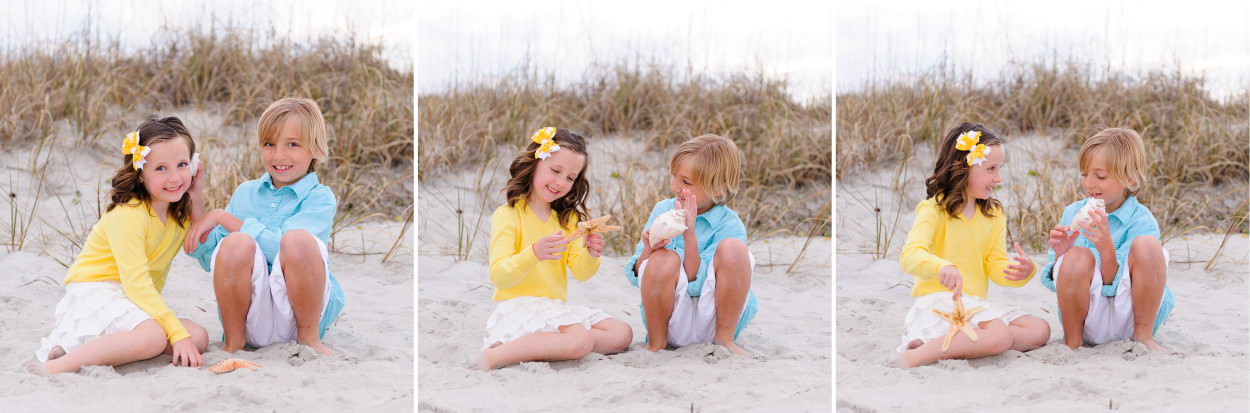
(267, 249)
(1110, 275)
(709, 260)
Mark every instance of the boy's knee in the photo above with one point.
(1076, 270)
(236, 249)
(299, 245)
(732, 253)
(662, 267)
(1146, 249)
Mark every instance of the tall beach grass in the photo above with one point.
(1198, 147)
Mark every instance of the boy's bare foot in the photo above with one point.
(56, 353)
(1150, 343)
(732, 347)
(231, 348)
(321, 348)
(652, 347)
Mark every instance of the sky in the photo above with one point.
(891, 39)
(462, 42)
(133, 22)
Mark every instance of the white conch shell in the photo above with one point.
(195, 163)
(667, 225)
(1085, 216)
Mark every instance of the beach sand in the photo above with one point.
(372, 370)
(789, 369)
(1205, 367)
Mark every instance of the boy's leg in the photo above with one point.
(571, 343)
(145, 341)
(611, 336)
(733, 282)
(232, 282)
(1148, 271)
(1072, 281)
(993, 337)
(659, 279)
(1028, 332)
(305, 275)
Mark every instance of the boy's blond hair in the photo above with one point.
(716, 163)
(1124, 153)
(312, 126)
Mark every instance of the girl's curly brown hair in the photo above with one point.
(950, 173)
(126, 182)
(522, 171)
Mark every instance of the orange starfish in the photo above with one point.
(593, 226)
(231, 365)
(960, 320)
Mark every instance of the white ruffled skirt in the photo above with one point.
(521, 316)
(924, 325)
(90, 310)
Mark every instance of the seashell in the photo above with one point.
(195, 163)
(668, 225)
(230, 365)
(1085, 216)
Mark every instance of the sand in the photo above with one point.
(1203, 369)
(789, 370)
(372, 370)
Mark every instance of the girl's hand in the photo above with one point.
(952, 279)
(1023, 267)
(550, 247)
(1099, 233)
(184, 350)
(594, 243)
(1061, 239)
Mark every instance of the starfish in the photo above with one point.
(593, 226)
(231, 365)
(960, 320)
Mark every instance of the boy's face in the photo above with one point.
(166, 172)
(683, 179)
(1097, 182)
(984, 177)
(285, 157)
(554, 176)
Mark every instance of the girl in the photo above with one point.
(955, 246)
(112, 312)
(530, 253)
(708, 259)
(1111, 275)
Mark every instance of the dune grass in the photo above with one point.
(101, 89)
(785, 186)
(1198, 147)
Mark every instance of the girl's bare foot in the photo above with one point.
(56, 353)
(476, 360)
(895, 360)
(38, 369)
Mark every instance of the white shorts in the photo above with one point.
(270, 319)
(90, 310)
(693, 320)
(1110, 318)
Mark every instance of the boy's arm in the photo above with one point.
(1048, 271)
(916, 258)
(730, 228)
(1143, 225)
(631, 272)
(508, 266)
(225, 222)
(129, 247)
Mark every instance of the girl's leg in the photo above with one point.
(658, 281)
(571, 343)
(993, 338)
(1028, 332)
(733, 282)
(611, 336)
(1149, 276)
(1072, 288)
(305, 274)
(147, 340)
(232, 283)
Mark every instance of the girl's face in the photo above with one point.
(984, 177)
(683, 179)
(285, 157)
(554, 176)
(1098, 182)
(166, 174)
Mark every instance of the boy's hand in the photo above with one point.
(688, 202)
(184, 350)
(1099, 233)
(1061, 239)
(647, 248)
(1023, 267)
(952, 279)
(550, 247)
(197, 233)
(594, 243)
(197, 180)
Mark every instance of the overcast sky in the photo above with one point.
(892, 38)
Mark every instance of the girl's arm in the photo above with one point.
(916, 258)
(510, 261)
(997, 262)
(580, 262)
(128, 243)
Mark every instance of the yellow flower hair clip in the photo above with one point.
(131, 147)
(977, 155)
(967, 140)
(545, 141)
